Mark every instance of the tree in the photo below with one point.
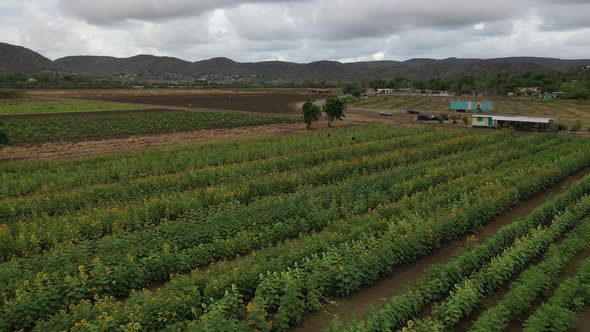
(334, 109)
(574, 91)
(311, 112)
(3, 137)
(357, 92)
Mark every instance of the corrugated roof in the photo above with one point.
(516, 118)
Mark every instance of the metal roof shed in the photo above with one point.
(515, 122)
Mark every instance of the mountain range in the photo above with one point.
(19, 59)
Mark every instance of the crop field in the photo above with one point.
(261, 235)
(28, 128)
(566, 111)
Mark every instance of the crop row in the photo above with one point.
(93, 196)
(439, 279)
(38, 129)
(51, 176)
(129, 272)
(560, 313)
(468, 294)
(311, 208)
(359, 264)
(390, 226)
(31, 237)
(534, 282)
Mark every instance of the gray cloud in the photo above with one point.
(299, 30)
(105, 12)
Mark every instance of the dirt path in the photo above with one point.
(583, 324)
(357, 303)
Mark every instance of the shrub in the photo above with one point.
(577, 126)
(3, 137)
(12, 94)
(311, 112)
(561, 127)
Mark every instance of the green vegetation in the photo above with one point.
(483, 268)
(561, 311)
(69, 106)
(334, 108)
(12, 94)
(575, 83)
(252, 235)
(69, 127)
(311, 113)
(3, 137)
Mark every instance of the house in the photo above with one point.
(370, 93)
(320, 91)
(385, 91)
(528, 91)
(462, 106)
(513, 122)
(558, 94)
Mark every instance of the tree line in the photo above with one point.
(575, 84)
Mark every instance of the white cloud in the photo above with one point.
(378, 56)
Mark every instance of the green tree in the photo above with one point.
(574, 91)
(3, 137)
(311, 112)
(357, 92)
(334, 109)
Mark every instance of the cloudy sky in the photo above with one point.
(300, 30)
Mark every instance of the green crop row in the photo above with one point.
(439, 279)
(12, 209)
(533, 282)
(34, 236)
(440, 207)
(469, 293)
(50, 176)
(361, 263)
(25, 130)
(128, 272)
(560, 313)
(304, 211)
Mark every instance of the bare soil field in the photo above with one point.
(261, 102)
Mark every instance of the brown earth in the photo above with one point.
(357, 303)
(263, 102)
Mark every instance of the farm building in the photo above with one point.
(385, 91)
(551, 96)
(513, 122)
(320, 91)
(462, 106)
(528, 91)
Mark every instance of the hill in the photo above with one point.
(19, 59)
(15, 59)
